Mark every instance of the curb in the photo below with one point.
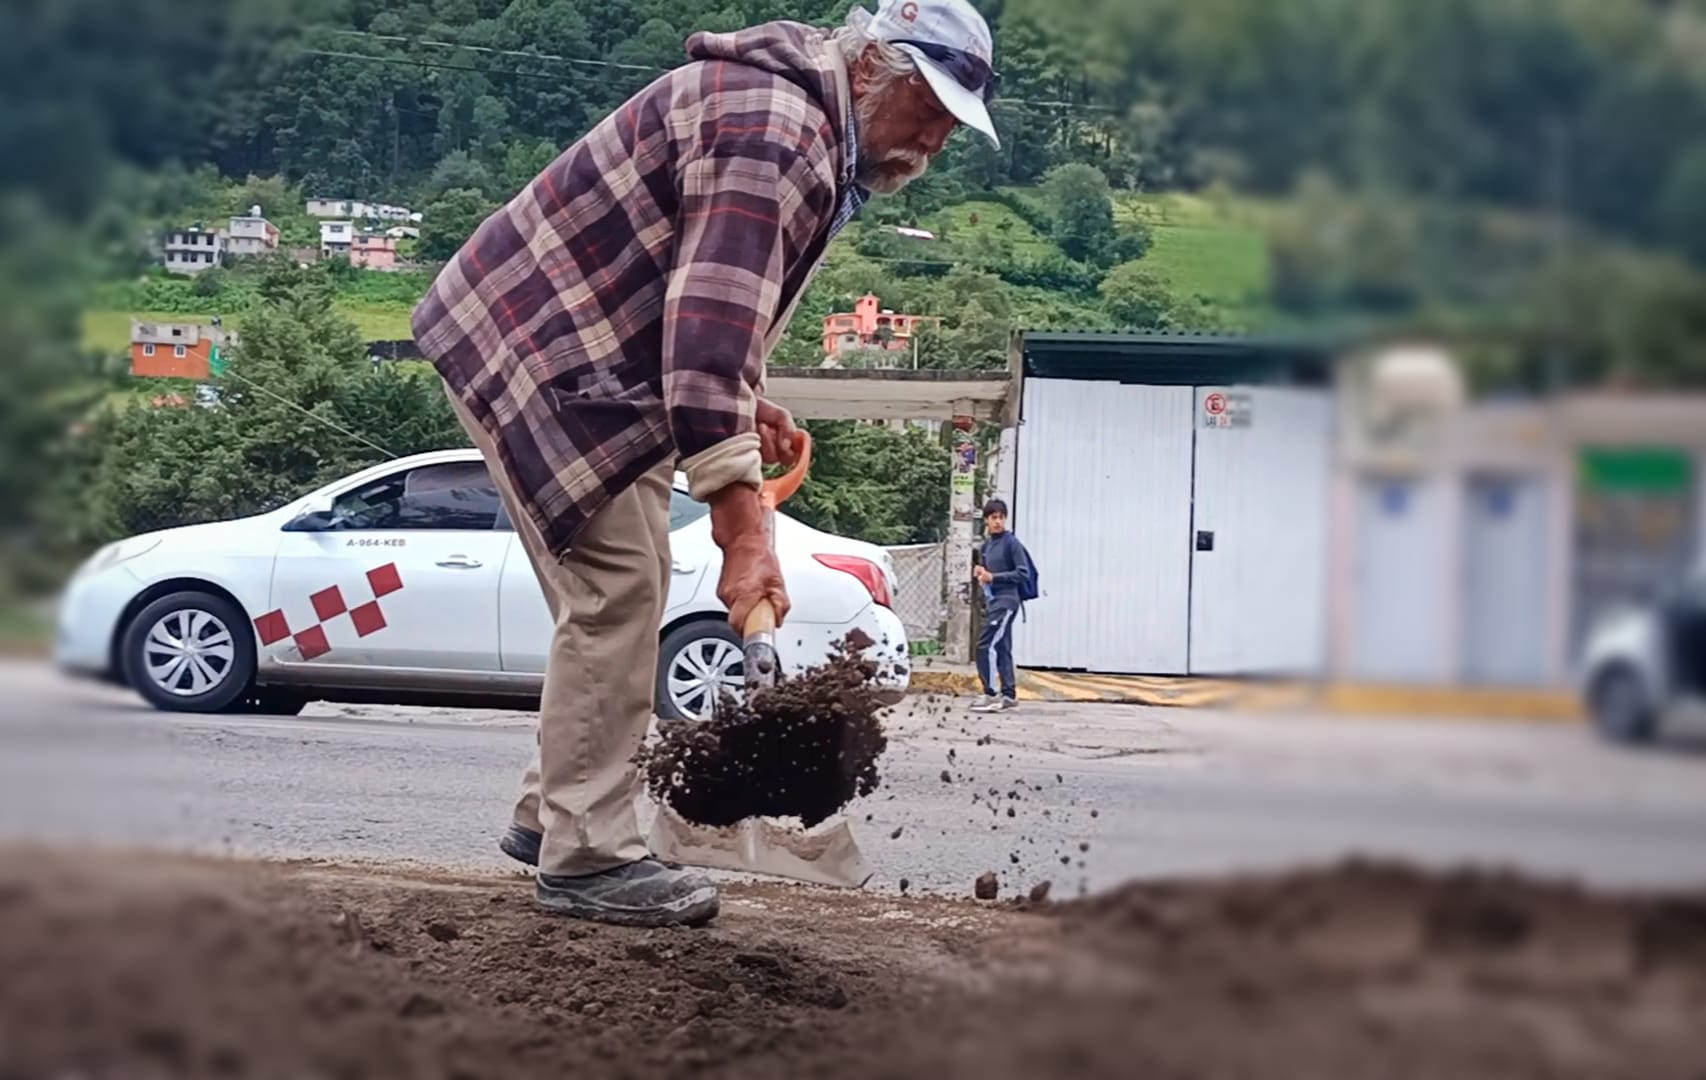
(1262, 696)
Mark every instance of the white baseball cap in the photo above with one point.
(954, 49)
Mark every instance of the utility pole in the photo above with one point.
(962, 537)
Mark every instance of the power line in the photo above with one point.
(647, 69)
(420, 63)
(316, 417)
(520, 54)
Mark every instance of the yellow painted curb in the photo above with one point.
(1556, 706)
(1264, 696)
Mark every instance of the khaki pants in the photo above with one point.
(606, 598)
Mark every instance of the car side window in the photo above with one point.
(684, 510)
(459, 496)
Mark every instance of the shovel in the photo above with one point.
(762, 664)
(826, 855)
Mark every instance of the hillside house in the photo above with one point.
(359, 210)
(872, 327)
(175, 350)
(336, 238)
(337, 208)
(373, 251)
(251, 234)
(193, 250)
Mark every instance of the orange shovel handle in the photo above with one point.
(780, 490)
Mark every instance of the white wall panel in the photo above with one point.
(1505, 639)
(1103, 502)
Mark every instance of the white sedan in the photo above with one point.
(407, 582)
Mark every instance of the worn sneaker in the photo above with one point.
(987, 703)
(1007, 705)
(647, 894)
(522, 845)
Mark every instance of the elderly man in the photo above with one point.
(614, 319)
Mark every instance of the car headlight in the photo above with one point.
(121, 552)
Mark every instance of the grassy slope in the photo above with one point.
(1200, 248)
(110, 330)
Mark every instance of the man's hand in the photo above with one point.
(750, 571)
(984, 577)
(777, 435)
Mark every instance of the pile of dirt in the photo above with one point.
(804, 749)
(142, 967)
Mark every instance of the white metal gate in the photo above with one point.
(1104, 505)
(1504, 581)
(1107, 474)
(1259, 572)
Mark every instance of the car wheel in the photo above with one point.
(1621, 709)
(190, 652)
(697, 663)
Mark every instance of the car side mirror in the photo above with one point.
(312, 521)
(317, 516)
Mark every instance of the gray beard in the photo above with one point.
(870, 173)
(880, 181)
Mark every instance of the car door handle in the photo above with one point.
(461, 562)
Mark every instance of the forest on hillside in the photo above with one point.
(1594, 109)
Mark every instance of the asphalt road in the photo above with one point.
(1151, 792)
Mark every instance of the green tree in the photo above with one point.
(1083, 212)
(876, 485)
(1137, 297)
(458, 171)
(449, 222)
(299, 406)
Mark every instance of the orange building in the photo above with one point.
(174, 350)
(872, 327)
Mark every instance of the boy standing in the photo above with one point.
(1006, 573)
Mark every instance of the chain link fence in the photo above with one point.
(919, 599)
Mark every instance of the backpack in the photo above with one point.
(1028, 589)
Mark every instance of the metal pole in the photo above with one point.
(962, 538)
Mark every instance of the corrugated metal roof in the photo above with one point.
(1155, 358)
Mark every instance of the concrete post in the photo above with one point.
(962, 538)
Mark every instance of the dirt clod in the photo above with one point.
(1040, 891)
(987, 887)
(443, 932)
(804, 749)
(947, 777)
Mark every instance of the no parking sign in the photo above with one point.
(1225, 409)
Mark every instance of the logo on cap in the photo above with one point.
(909, 12)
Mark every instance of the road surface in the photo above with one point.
(1151, 792)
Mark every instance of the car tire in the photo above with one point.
(218, 672)
(1622, 709)
(697, 654)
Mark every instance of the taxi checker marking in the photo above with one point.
(368, 619)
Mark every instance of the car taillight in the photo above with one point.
(869, 574)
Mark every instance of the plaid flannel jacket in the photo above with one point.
(618, 312)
